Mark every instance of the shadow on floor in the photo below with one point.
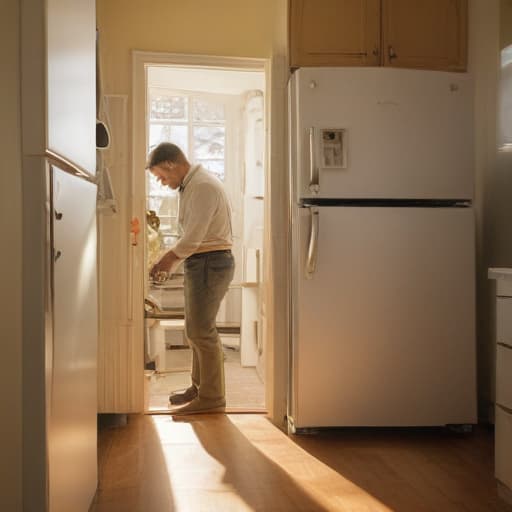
(257, 481)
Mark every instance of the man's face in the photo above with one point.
(168, 174)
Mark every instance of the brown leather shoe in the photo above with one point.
(182, 397)
(200, 406)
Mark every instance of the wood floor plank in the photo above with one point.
(242, 462)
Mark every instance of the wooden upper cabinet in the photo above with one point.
(425, 34)
(334, 33)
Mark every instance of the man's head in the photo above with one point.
(168, 164)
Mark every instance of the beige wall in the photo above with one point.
(500, 184)
(494, 239)
(236, 28)
(228, 28)
(495, 189)
(505, 23)
(10, 262)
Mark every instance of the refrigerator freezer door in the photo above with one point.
(73, 409)
(384, 328)
(381, 133)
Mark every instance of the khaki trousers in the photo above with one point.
(207, 278)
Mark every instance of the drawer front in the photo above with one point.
(503, 446)
(504, 320)
(504, 376)
(504, 287)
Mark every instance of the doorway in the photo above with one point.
(217, 117)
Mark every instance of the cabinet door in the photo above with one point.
(426, 34)
(334, 33)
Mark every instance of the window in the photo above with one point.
(197, 124)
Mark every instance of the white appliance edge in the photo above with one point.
(383, 331)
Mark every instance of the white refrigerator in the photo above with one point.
(60, 325)
(383, 248)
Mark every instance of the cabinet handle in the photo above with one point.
(391, 53)
(58, 215)
(57, 255)
(375, 51)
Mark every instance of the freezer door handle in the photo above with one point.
(313, 243)
(314, 185)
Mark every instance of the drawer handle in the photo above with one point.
(503, 408)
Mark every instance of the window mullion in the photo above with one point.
(190, 131)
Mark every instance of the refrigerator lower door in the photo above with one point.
(383, 317)
(72, 394)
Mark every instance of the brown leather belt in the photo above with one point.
(209, 253)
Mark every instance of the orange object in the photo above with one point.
(134, 230)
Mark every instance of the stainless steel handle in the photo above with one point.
(313, 243)
(68, 166)
(314, 185)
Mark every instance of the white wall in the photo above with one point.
(494, 239)
(10, 262)
(499, 198)
(496, 247)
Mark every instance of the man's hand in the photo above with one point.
(163, 265)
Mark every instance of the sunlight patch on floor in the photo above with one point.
(321, 482)
(258, 454)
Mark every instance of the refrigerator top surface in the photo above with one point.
(381, 133)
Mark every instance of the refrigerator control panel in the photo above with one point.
(333, 148)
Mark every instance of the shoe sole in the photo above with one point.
(201, 411)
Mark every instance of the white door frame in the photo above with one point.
(276, 361)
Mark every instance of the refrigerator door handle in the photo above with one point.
(68, 166)
(314, 185)
(313, 243)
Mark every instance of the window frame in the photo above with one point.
(231, 104)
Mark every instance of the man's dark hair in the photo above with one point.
(164, 152)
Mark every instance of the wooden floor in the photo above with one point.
(224, 463)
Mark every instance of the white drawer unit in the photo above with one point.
(504, 320)
(503, 407)
(504, 283)
(504, 376)
(503, 446)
